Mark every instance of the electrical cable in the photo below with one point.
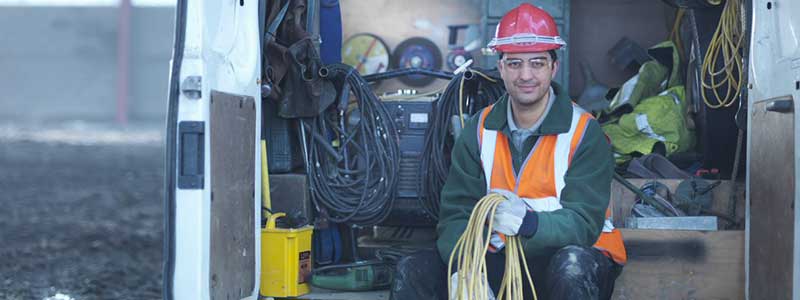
(727, 41)
(467, 93)
(433, 93)
(470, 256)
(407, 72)
(675, 33)
(393, 254)
(354, 152)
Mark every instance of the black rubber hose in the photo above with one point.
(478, 92)
(408, 71)
(356, 183)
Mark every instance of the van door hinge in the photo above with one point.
(192, 86)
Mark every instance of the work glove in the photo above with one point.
(464, 295)
(509, 214)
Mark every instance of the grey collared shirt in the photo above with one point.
(519, 135)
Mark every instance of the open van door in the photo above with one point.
(772, 254)
(212, 186)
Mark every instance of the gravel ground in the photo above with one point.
(80, 221)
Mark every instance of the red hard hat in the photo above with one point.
(526, 28)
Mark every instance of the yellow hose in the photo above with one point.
(470, 255)
(727, 41)
(675, 34)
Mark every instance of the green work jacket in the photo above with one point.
(584, 198)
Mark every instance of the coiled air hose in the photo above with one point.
(470, 257)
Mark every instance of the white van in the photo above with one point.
(213, 167)
(212, 247)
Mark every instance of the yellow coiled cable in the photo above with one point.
(727, 41)
(470, 251)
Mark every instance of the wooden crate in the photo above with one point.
(623, 199)
(670, 264)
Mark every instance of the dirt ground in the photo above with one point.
(83, 221)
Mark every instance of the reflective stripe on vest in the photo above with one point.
(544, 171)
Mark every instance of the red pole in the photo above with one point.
(123, 59)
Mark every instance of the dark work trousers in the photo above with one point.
(573, 272)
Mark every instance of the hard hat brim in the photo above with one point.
(526, 48)
(526, 43)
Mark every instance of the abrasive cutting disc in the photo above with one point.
(417, 52)
(367, 53)
(457, 57)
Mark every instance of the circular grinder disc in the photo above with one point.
(457, 57)
(367, 53)
(417, 52)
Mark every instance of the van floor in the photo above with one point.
(83, 221)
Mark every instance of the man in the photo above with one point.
(549, 159)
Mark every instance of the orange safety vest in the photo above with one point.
(542, 174)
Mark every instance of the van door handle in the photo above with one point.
(191, 154)
(781, 106)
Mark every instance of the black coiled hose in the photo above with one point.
(354, 153)
(466, 94)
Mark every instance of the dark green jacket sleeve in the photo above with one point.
(585, 197)
(465, 185)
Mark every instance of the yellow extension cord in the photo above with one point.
(472, 247)
(727, 41)
(675, 33)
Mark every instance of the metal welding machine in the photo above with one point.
(411, 115)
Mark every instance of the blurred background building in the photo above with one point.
(89, 60)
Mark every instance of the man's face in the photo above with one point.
(527, 76)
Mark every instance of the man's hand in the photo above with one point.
(509, 214)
